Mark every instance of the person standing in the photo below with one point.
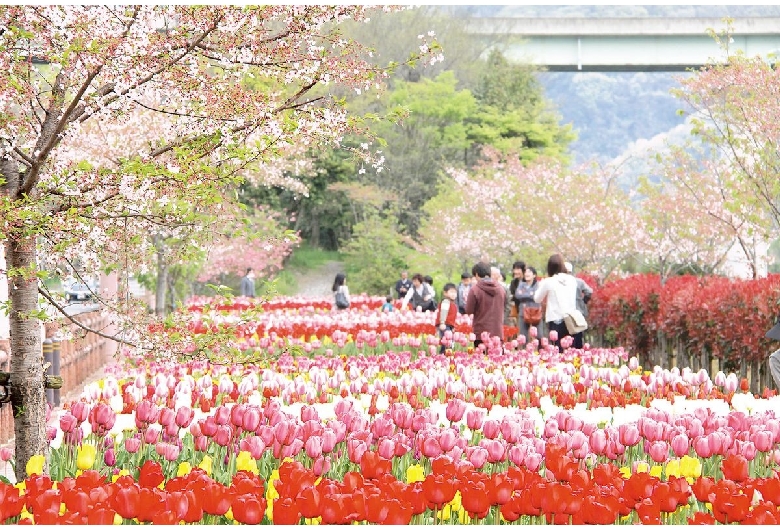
(559, 290)
(418, 296)
(463, 291)
(341, 291)
(248, 283)
(403, 285)
(448, 312)
(523, 296)
(584, 292)
(486, 301)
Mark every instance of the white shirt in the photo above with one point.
(561, 293)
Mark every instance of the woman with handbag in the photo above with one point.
(341, 291)
(529, 313)
(559, 290)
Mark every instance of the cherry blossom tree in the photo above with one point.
(506, 209)
(734, 112)
(117, 122)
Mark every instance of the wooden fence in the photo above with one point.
(81, 356)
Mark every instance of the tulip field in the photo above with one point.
(355, 416)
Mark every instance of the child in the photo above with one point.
(448, 311)
(388, 305)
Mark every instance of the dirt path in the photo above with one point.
(318, 282)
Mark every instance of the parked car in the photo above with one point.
(80, 292)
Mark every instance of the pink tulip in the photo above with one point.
(533, 331)
(658, 451)
(496, 450)
(478, 457)
(51, 432)
(511, 431)
(456, 408)
(491, 429)
(109, 457)
(680, 444)
(201, 443)
(167, 416)
(516, 454)
(68, 422)
(321, 466)
(701, 445)
(355, 450)
(628, 434)
(329, 440)
(447, 439)
(254, 445)
(598, 442)
(81, 410)
(402, 415)
(475, 419)
(747, 449)
(285, 432)
(533, 460)
(386, 448)
(550, 428)
(223, 435)
(6, 454)
(431, 447)
(313, 447)
(132, 445)
(309, 413)
(553, 336)
(184, 416)
(152, 434)
(146, 412)
(250, 420)
(208, 426)
(222, 415)
(763, 440)
(237, 415)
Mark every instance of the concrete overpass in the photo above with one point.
(625, 44)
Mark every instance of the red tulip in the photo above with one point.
(703, 489)
(249, 509)
(475, 499)
(649, 512)
(215, 498)
(150, 474)
(10, 502)
(373, 466)
(286, 512)
(701, 518)
(101, 514)
(127, 498)
(308, 500)
(735, 467)
(438, 490)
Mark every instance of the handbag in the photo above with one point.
(532, 315)
(575, 321)
(341, 300)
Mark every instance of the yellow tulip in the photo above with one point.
(673, 468)
(656, 471)
(35, 465)
(118, 519)
(626, 472)
(205, 464)
(85, 456)
(642, 467)
(183, 469)
(415, 473)
(690, 467)
(122, 472)
(245, 462)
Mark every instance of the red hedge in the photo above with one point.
(727, 317)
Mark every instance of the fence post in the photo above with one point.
(47, 359)
(56, 355)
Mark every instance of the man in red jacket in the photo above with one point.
(486, 302)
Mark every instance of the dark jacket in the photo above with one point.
(486, 302)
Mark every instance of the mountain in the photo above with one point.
(612, 111)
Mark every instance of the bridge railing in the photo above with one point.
(79, 357)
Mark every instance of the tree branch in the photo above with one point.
(79, 324)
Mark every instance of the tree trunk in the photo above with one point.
(162, 277)
(28, 396)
